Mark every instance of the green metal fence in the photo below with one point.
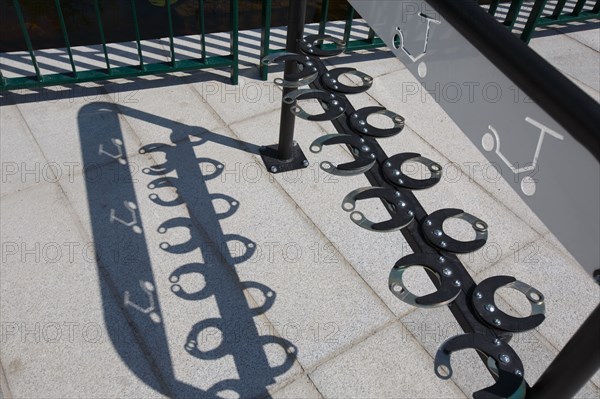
(369, 42)
(143, 68)
(38, 79)
(543, 14)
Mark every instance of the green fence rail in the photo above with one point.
(370, 42)
(143, 68)
(579, 10)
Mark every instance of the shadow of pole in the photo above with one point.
(125, 266)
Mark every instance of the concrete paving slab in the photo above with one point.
(590, 36)
(595, 94)
(389, 364)
(23, 164)
(235, 103)
(566, 54)
(302, 388)
(201, 325)
(320, 194)
(570, 293)
(60, 322)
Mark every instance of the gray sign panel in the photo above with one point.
(554, 174)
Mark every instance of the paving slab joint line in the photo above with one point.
(215, 113)
(575, 78)
(5, 392)
(350, 345)
(508, 254)
(290, 382)
(315, 386)
(549, 236)
(23, 190)
(540, 239)
(467, 394)
(556, 28)
(30, 132)
(104, 276)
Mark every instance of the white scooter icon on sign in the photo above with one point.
(528, 184)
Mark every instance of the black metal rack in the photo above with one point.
(580, 358)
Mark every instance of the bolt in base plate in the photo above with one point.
(276, 165)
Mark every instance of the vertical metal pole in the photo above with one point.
(297, 15)
(265, 37)
(574, 365)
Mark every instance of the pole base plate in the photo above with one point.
(275, 165)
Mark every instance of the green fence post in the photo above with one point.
(493, 7)
(137, 35)
(536, 11)
(202, 30)
(63, 28)
(102, 37)
(348, 27)
(578, 7)
(513, 13)
(324, 16)
(265, 37)
(558, 9)
(234, 41)
(371, 36)
(171, 44)
(27, 39)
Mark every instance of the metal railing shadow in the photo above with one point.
(129, 273)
